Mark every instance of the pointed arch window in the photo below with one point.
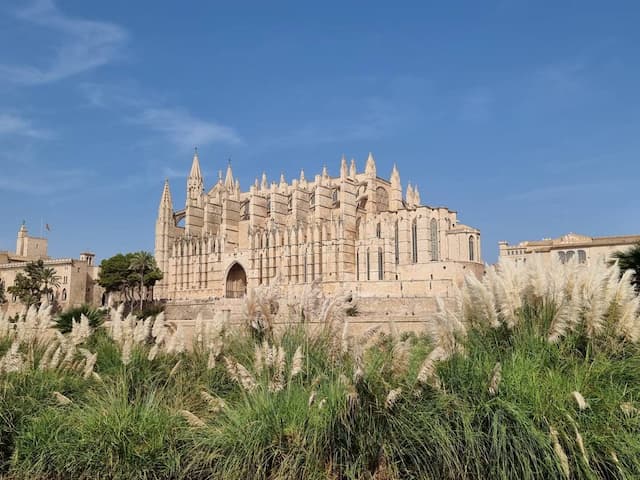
(396, 242)
(378, 230)
(435, 250)
(414, 241)
(368, 265)
(380, 264)
(582, 256)
(471, 248)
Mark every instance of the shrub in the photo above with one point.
(64, 321)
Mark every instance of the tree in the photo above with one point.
(36, 281)
(128, 273)
(630, 260)
(142, 263)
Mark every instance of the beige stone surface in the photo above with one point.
(356, 232)
(585, 249)
(78, 277)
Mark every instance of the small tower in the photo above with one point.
(165, 233)
(194, 218)
(228, 180)
(395, 200)
(370, 168)
(343, 168)
(21, 243)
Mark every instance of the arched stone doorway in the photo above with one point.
(236, 286)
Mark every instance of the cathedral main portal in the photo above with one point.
(236, 282)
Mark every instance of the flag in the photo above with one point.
(46, 225)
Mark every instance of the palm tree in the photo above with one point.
(630, 260)
(49, 279)
(141, 263)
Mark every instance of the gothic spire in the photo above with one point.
(195, 167)
(343, 167)
(370, 168)
(166, 203)
(228, 181)
(264, 185)
(416, 196)
(352, 169)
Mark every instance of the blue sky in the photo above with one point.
(523, 116)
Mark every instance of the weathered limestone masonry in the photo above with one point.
(355, 233)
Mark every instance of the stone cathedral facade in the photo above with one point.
(356, 232)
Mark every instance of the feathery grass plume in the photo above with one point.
(392, 398)
(55, 359)
(192, 419)
(614, 457)
(358, 374)
(508, 282)
(47, 355)
(277, 382)
(582, 403)
(312, 398)
(400, 357)
(580, 444)
(445, 328)
(62, 399)
(211, 361)
(496, 377)
(153, 353)
(566, 315)
(215, 404)
(125, 355)
(480, 303)
(80, 330)
(322, 403)
(175, 368)
(91, 359)
(269, 354)
(367, 335)
(258, 360)
(232, 370)
(628, 409)
(260, 308)
(198, 331)
(244, 377)
(13, 360)
(96, 376)
(427, 370)
(296, 363)
(7, 328)
(594, 281)
(345, 339)
(559, 451)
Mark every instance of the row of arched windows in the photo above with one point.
(566, 256)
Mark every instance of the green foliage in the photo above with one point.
(36, 282)
(335, 419)
(128, 273)
(630, 260)
(64, 320)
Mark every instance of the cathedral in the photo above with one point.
(356, 232)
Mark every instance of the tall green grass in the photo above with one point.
(487, 395)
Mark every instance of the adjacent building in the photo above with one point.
(77, 277)
(581, 247)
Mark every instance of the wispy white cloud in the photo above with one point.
(11, 124)
(176, 124)
(42, 181)
(85, 45)
(185, 130)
